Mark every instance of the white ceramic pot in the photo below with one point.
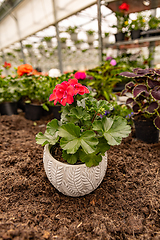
(73, 180)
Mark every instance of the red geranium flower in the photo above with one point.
(24, 69)
(64, 92)
(7, 65)
(124, 7)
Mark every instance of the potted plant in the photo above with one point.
(48, 41)
(63, 42)
(122, 22)
(29, 48)
(153, 24)
(78, 43)
(136, 26)
(41, 49)
(90, 36)
(73, 32)
(10, 93)
(81, 139)
(106, 39)
(145, 102)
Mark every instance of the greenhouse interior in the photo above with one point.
(80, 119)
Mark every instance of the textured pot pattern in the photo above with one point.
(73, 180)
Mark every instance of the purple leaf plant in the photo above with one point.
(145, 89)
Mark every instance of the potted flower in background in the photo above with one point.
(73, 33)
(7, 65)
(63, 42)
(106, 39)
(145, 102)
(90, 36)
(48, 41)
(136, 26)
(153, 23)
(122, 22)
(75, 158)
(10, 93)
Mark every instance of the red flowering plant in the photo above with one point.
(145, 90)
(7, 65)
(83, 133)
(122, 18)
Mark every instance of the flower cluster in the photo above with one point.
(64, 92)
(112, 61)
(80, 75)
(24, 69)
(7, 65)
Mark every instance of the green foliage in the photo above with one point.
(153, 22)
(47, 39)
(90, 32)
(138, 23)
(10, 89)
(63, 40)
(122, 22)
(28, 46)
(37, 88)
(71, 29)
(82, 133)
(106, 34)
(104, 78)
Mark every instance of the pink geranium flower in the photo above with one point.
(80, 75)
(113, 62)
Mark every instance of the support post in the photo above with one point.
(152, 45)
(4, 60)
(99, 31)
(58, 38)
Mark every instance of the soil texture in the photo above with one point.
(126, 205)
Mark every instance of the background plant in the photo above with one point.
(153, 22)
(138, 23)
(145, 89)
(10, 89)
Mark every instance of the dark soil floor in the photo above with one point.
(125, 206)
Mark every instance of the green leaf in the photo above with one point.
(79, 113)
(52, 127)
(70, 158)
(102, 146)
(45, 107)
(69, 131)
(41, 139)
(90, 159)
(113, 130)
(117, 130)
(72, 139)
(71, 145)
(89, 141)
(51, 134)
